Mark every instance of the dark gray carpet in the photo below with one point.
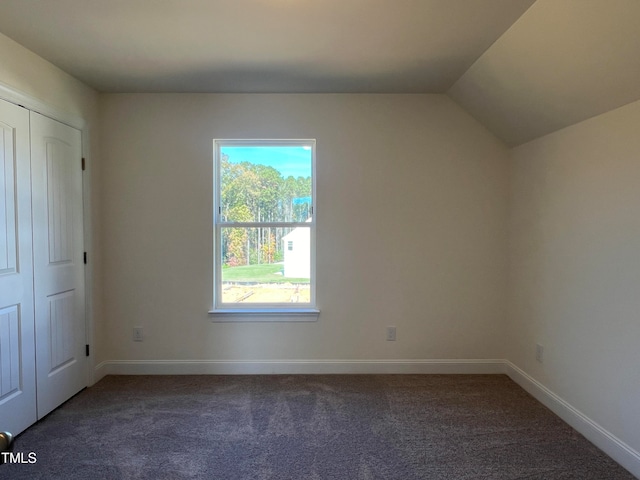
(308, 427)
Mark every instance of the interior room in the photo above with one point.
(476, 189)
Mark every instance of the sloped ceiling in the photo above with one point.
(521, 68)
(562, 62)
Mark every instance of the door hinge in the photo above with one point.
(83, 164)
(86, 349)
(85, 258)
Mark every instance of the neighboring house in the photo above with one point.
(297, 248)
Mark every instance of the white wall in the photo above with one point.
(575, 267)
(411, 218)
(26, 73)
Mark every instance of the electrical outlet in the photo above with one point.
(391, 334)
(137, 334)
(539, 352)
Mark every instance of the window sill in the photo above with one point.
(264, 314)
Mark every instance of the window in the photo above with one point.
(264, 193)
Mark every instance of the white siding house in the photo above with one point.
(297, 248)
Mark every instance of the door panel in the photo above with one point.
(9, 350)
(62, 335)
(59, 203)
(17, 351)
(58, 261)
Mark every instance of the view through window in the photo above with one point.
(264, 225)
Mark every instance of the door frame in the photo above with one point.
(17, 97)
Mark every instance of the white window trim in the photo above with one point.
(261, 312)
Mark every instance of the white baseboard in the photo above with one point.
(606, 441)
(266, 367)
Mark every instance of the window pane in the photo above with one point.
(265, 183)
(266, 265)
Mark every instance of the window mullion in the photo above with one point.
(264, 224)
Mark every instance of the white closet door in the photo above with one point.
(17, 353)
(56, 180)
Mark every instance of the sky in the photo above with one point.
(288, 160)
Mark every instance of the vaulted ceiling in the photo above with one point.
(522, 68)
(562, 62)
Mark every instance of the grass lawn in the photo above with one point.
(265, 273)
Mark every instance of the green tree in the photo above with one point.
(258, 193)
(269, 248)
(236, 240)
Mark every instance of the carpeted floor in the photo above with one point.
(305, 427)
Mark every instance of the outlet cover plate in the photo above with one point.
(391, 334)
